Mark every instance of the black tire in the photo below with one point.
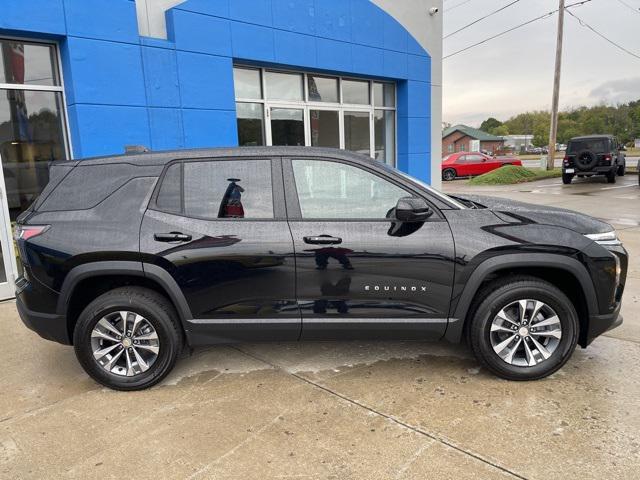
(497, 296)
(611, 176)
(156, 309)
(449, 174)
(622, 170)
(566, 178)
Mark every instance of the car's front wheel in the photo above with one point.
(449, 174)
(523, 328)
(128, 338)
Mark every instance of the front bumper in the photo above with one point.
(49, 326)
(599, 324)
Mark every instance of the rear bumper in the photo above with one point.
(603, 170)
(49, 326)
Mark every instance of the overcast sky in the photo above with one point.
(514, 73)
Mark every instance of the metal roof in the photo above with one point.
(471, 132)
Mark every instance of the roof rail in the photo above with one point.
(131, 149)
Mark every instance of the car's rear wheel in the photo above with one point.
(128, 338)
(566, 178)
(622, 170)
(523, 328)
(611, 176)
(448, 174)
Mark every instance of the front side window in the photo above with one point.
(332, 190)
(218, 189)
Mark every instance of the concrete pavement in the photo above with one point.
(342, 410)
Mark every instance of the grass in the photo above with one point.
(512, 174)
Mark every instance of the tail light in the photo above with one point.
(607, 158)
(25, 232)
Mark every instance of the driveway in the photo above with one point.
(349, 410)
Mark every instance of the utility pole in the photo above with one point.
(551, 157)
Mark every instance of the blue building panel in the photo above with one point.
(165, 127)
(259, 12)
(104, 72)
(209, 128)
(125, 89)
(333, 19)
(206, 81)
(117, 19)
(161, 77)
(252, 42)
(45, 17)
(294, 15)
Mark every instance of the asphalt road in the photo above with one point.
(340, 410)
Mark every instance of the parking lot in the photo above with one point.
(339, 410)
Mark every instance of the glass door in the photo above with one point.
(324, 125)
(7, 252)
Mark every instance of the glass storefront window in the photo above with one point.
(28, 64)
(323, 89)
(384, 95)
(287, 126)
(355, 92)
(356, 132)
(250, 124)
(31, 137)
(284, 86)
(385, 135)
(296, 108)
(325, 128)
(247, 82)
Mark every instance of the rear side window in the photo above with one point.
(218, 189)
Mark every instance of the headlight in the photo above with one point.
(607, 238)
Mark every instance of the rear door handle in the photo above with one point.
(172, 237)
(323, 240)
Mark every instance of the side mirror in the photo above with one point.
(412, 209)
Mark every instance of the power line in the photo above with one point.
(584, 24)
(637, 10)
(528, 22)
(546, 15)
(457, 5)
(481, 18)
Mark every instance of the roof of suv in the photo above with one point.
(163, 157)
(586, 137)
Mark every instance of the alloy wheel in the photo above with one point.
(125, 343)
(525, 333)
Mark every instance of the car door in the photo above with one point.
(218, 227)
(477, 164)
(360, 273)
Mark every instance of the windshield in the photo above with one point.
(442, 196)
(596, 145)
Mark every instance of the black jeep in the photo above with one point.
(593, 155)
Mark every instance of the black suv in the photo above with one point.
(593, 155)
(132, 258)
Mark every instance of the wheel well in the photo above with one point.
(562, 279)
(90, 288)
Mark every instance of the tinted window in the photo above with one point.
(169, 194)
(228, 189)
(338, 191)
(27, 64)
(250, 124)
(474, 158)
(597, 145)
(355, 91)
(323, 89)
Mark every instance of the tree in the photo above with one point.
(489, 124)
(500, 131)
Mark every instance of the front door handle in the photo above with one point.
(323, 240)
(171, 237)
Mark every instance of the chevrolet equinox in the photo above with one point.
(132, 258)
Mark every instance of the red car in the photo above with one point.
(467, 164)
